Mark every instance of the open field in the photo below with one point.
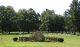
(69, 41)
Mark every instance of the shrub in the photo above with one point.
(27, 38)
(60, 39)
(15, 39)
(24, 38)
(52, 39)
(38, 36)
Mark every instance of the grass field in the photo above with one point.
(69, 41)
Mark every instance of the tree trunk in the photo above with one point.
(9, 32)
(28, 32)
(2, 32)
(23, 32)
(79, 31)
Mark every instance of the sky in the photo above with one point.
(59, 6)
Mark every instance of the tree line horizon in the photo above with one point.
(29, 20)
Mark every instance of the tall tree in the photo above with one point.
(78, 17)
(45, 19)
(6, 21)
(34, 18)
(73, 13)
(22, 20)
(68, 21)
(28, 20)
(51, 21)
(2, 8)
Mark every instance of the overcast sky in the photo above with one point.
(59, 6)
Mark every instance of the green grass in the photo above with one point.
(69, 41)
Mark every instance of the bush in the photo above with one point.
(24, 38)
(15, 39)
(38, 36)
(60, 39)
(54, 39)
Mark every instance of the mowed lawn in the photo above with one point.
(69, 41)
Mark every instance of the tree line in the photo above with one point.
(29, 20)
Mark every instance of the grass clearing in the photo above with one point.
(69, 41)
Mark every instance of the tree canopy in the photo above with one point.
(29, 20)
